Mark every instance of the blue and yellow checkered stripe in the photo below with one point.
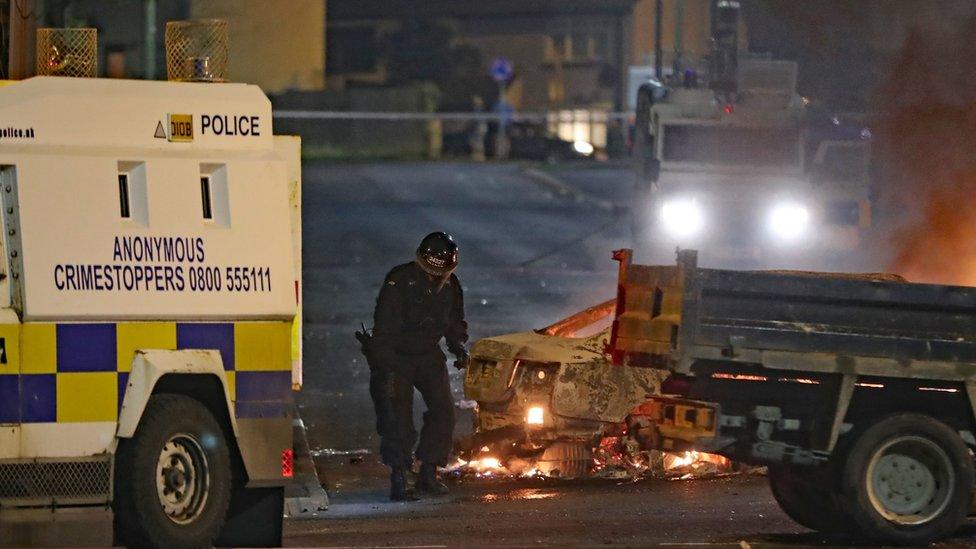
(79, 372)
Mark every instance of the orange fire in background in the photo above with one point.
(940, 247)
(926, 178)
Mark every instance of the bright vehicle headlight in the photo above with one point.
(536, 415)
(682, 217)
(583, 147)
(789, 221)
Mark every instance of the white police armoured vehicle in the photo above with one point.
(149, 309)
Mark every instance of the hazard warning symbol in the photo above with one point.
(160, 131)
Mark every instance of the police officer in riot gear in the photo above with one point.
(420, 303)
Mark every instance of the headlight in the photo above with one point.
(583, 147)
(789, 221)
(682, 217)
(536, 415)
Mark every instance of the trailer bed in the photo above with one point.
(673, 316)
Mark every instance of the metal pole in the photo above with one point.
(679, 21)
(150, 45)
(658, 21)
(501, 150)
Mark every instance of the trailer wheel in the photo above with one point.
(804, 494)
(908, 480)
(173, 478)
(566, 460)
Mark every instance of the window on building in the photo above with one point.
(581, 45)
(558, 47)
(350, 50)
(556, 90)
(600, 45)
(577, 44)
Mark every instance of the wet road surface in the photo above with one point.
(724, 512)
(531, 252)
(568, 513)
(528, 257)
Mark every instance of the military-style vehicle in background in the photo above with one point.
(858, 391)
(728, 164)
(743, 177)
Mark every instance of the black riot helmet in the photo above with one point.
(437, 254)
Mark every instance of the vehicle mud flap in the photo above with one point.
(305, 498)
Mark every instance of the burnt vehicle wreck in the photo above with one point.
(548, 397)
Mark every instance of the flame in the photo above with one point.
(615, 457)
(483, 466)
(490, 463)
(694, 464)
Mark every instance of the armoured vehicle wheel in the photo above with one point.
(804, 494)
(908, 480)
(566, 460)
(173, 478)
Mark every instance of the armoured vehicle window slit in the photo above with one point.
(124, 196)
(206, 197)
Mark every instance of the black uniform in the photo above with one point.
(412, 314)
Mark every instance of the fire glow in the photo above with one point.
(613, 458)
(691, 464)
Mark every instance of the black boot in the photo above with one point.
(427, 481)
(398, 486)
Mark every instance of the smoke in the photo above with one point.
(926, 154)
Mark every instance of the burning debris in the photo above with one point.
(614, 458)
(485, 465)
(619, 457)
(693, 464)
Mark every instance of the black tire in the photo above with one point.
(567, 460)
(184, 429)
(907, 480)
(808, 495)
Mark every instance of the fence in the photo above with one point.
(430, 134)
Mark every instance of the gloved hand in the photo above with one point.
(461, 358)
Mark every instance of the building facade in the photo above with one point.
(566, 54)
(279, 49)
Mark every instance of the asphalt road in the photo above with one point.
(580, 514)
(528, 257)
(534, 248)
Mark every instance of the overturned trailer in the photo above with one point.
(857, 390)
